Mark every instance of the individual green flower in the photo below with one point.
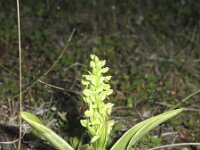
(96, 90)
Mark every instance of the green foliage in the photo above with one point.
(150, 141)
(43, 132)
(138, 131)
(198, 147)
(96, 90)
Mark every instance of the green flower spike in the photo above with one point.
(96, 90)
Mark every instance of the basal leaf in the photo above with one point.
(134, 134)
(44, 132)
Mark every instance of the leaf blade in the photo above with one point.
(139, 130)
(45, 133)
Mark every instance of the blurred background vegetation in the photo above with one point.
(152, 49)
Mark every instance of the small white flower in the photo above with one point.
(96, 90)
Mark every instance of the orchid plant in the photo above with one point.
(96, 91)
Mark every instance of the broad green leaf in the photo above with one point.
(35, 119)
(134, 134)
(44, 132)
(32, 117)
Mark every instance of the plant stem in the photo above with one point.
(185, 99)
(20, 74)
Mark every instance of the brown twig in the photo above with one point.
(175, 145)
(57, 87)
(20, 74)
